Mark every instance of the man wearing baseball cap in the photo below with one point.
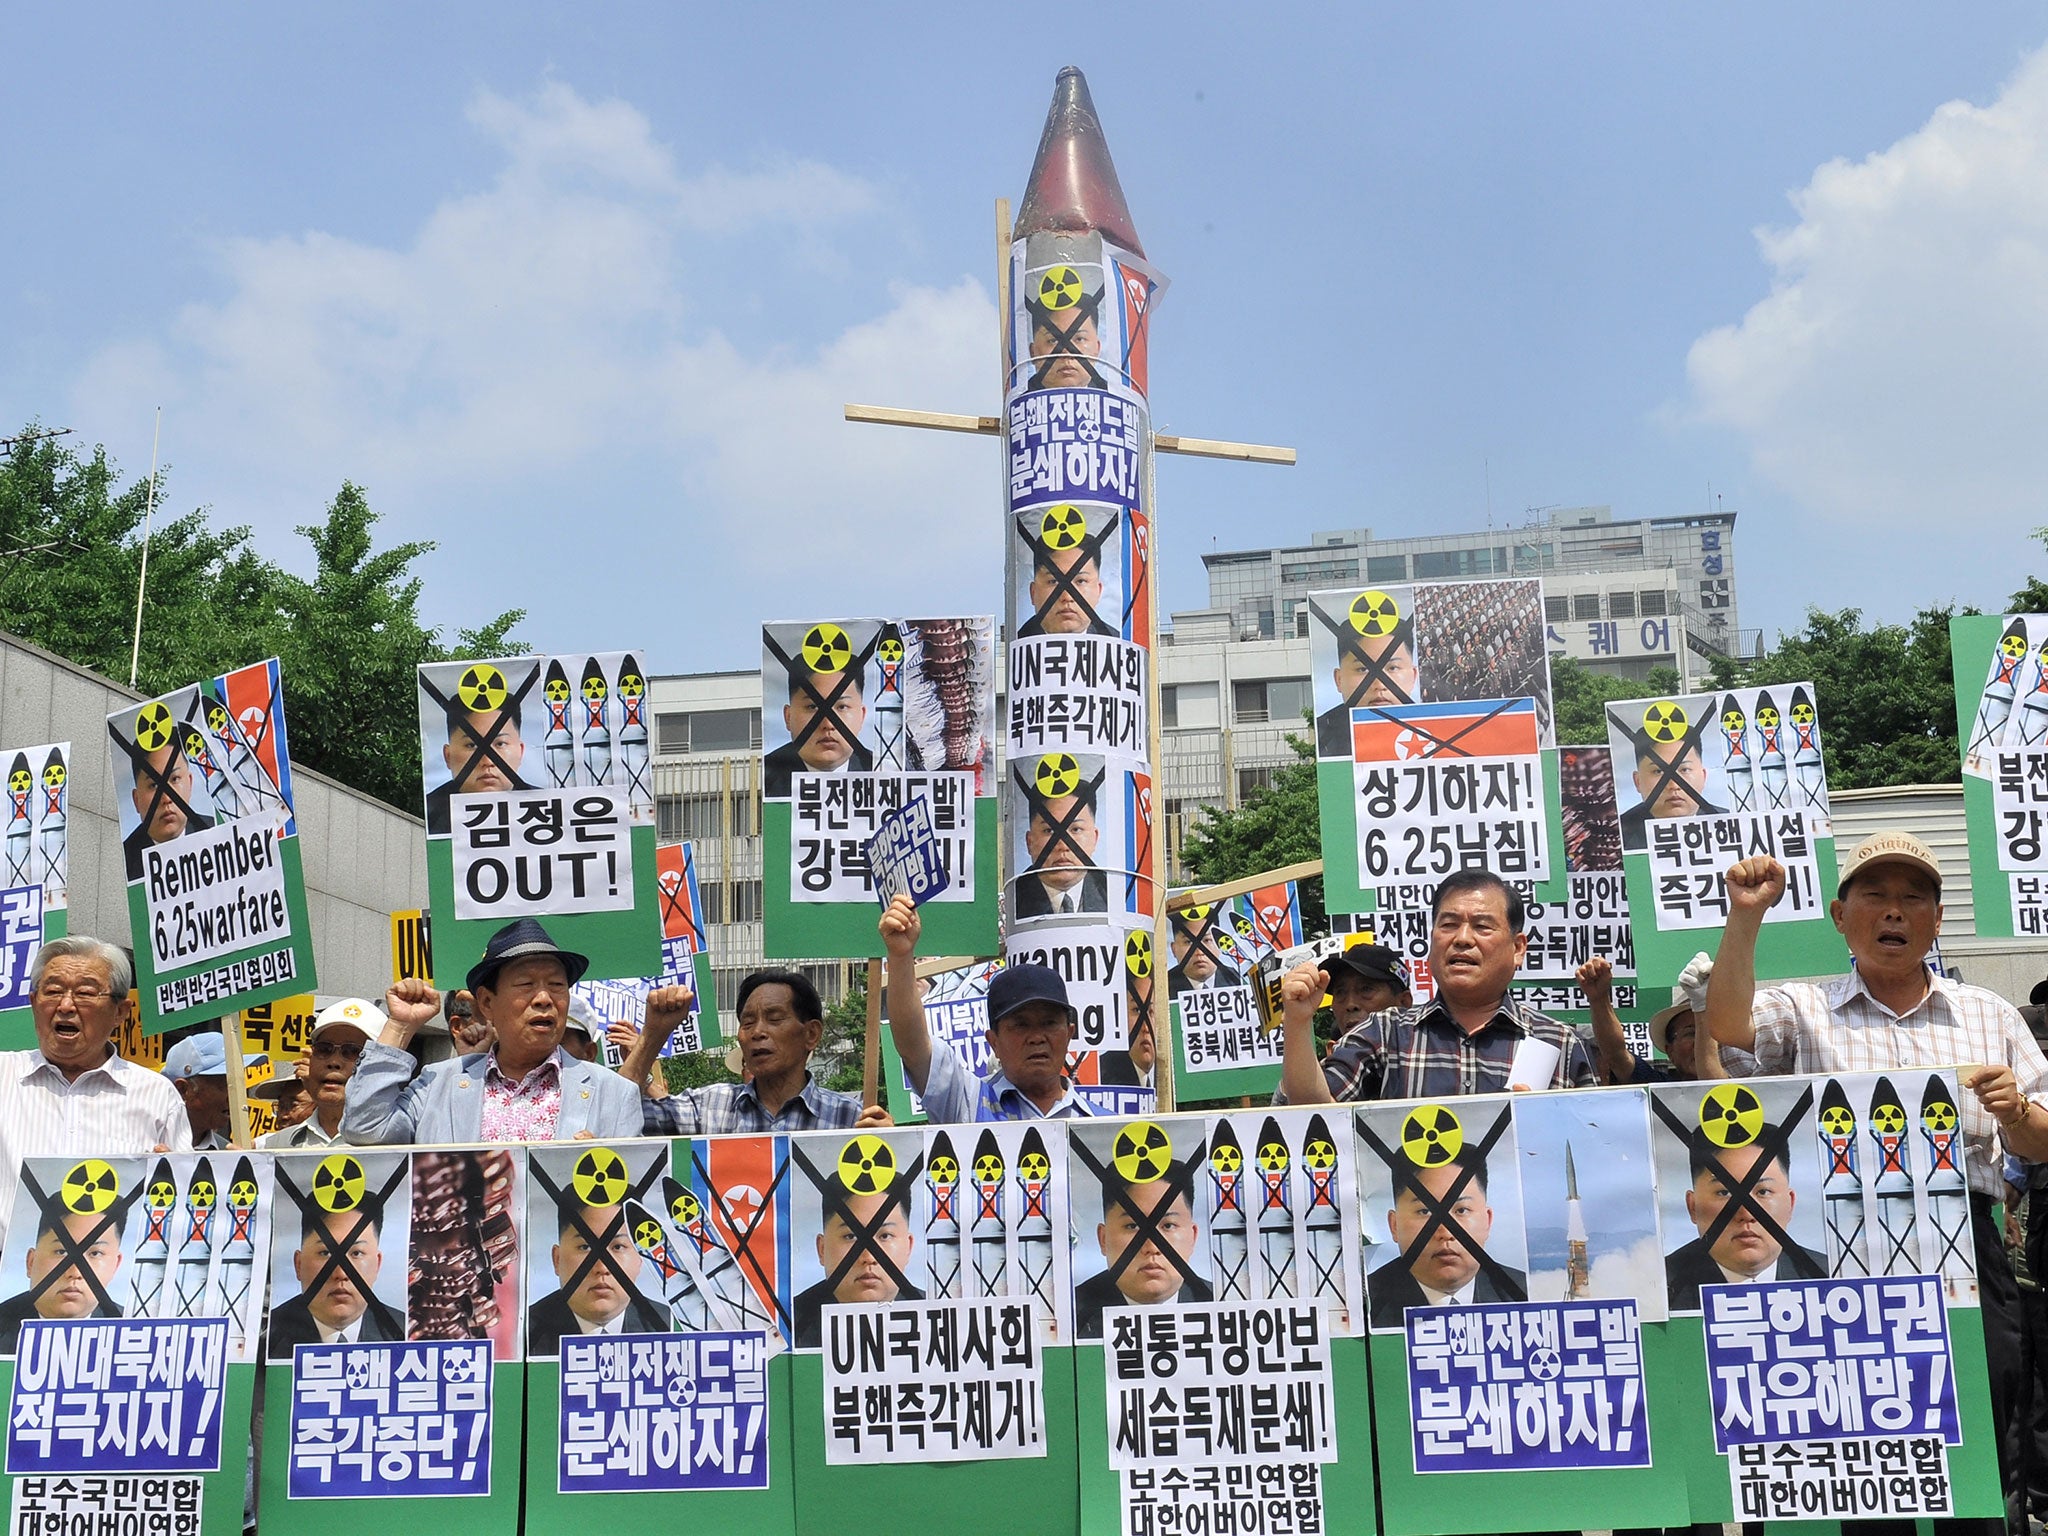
(340, 1031)
(524, 1088)
(1030, 1028)
(197, 1066)
(1891, 1013)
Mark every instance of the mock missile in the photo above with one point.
(887, 705)
(1948, 1191)
(558, 746)
(987, 1232)
(719, 1271)
(195, 1252)
(597, 730)
(1324, 1220)
(1229, 1246)
(1276, 1212)
(2034, 704)
(220, 789)
(238, 1250)
(239, 763)
(688, 1309)
(1996, 706)
(1900, 1254)
(1841, 1185)
(633, 728)
(1034, 1226)
(1806, 766)
(942, 1229)
(153, 1250)
(55, 828)
(1770, 753)
(1740, 771)
(21, 788)
(1578, 1268)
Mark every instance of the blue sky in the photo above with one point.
(579, 292)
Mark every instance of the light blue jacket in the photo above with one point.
(445, 1103)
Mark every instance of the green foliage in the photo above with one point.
(1277, 825)
(695, 1069)
(841, 1055)
(1580, 696)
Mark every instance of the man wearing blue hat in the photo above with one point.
(1030, 1028)
(524, 1088)
(197, 1066)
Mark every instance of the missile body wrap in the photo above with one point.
(597, 730)
(1323, 1222)
(195, 1250)
(1770, 752)
(20, 826)
(1276, 1212)
(887, 704)
(56, 793)
(942, 1229)
(220, 788)
(1229, 1245)
(2034, 707)
(719, 1270)
(1995, 708)
(238, 1247)
(153, 1250)
(1806, 764)
(687, 1306)
(988, 1233)
(1948, 1188)
(1899, 1253)
(1740, 772)
(633, 727)
(558, 746)
(1841, 1185)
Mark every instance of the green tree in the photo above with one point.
(1278, 824)
(1580, 695)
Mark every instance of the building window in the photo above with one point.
(1248, 703)
(1438, 564)
(732, 901)
(1250, 780)
(1653, 605)
(1586, 605)
(710, 730)
(1321, 573)
(1169, 708)
(1556, 609)
(702, 818)
(1288, 699)
(1621, 605)
(1535, 557)
(1386, 568)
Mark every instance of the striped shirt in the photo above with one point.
(1424, 1053)
(115, 1109)
(735, 1109)
(1837, 1026)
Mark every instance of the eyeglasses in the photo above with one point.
(85, 994)
(350, 1052)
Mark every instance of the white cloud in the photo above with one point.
(550, 353)
(1894, 380)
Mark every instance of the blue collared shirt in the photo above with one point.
(734, 1109)
(954, 1096)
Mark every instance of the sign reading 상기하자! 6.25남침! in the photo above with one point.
(216, 893)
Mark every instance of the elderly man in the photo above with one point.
(197, 1066)
(1464, 1041)
(1030, 1028)
(72, 1096)
(525, 1088)
(340, 1032)
(780, 1022)
(1891, 1013)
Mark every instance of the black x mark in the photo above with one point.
(1063, 338)
(513, 700)
(1179, 1181)
(599, 1244)
(160, 778)
(337, 1256)
(1440, 1217)
(806, 679)
(1777, 1139)
(1060, 827)
(837, 1202)
(1668, 773)
(1090, 548)
(54, 1211)
(743, 1251)
(1351, 643)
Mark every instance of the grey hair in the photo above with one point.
(120, 974)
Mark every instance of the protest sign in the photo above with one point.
(134, 1304)
(274, 1036)
(1702, 782)
(216, 892)
(2001, 676)
(904, 856)
(412, 945)
(395, 1339)
(1216, 951)
(34, 873)
(539, 803)
(956, 1014)
(1080, 840)
(860, 718)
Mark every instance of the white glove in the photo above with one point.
(1692, 982)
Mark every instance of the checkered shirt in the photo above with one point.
(1424, 1053)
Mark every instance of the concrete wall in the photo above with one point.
(363, 860)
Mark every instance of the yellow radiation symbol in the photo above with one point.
(988, 1168)
(1273, 1157)
(685, 1210)
(242, 1194)
(647, 1235)
(1059, 289)
(153, 727)
(1431, 1136)
(1767, 715)
(1138, 954)
(217, 720)
(1887, 1119)
(1141, 1153)
(89, 1188)
(556, 690)
(162, 1195)
(480, 688)
(943, 1169)
(826, 648)
(202, 1194)
(1836, 1121)
(1374, 614)
(195, 747)
(1062, 527)
(890, 650)
(1034, 1167)
(1057, 775)
(20, 782)
(599, 1177)
(1664, 721)
(1320, 1155)
(1195, 916)
(53, 775)
(630, 685)
(866, 1165)
(1731, 1115)
(1802, 713)
(2013, 647)
(338, 1183)
(1939, 1116)
(1225, 1158)
(1733, 720)
(594, 689)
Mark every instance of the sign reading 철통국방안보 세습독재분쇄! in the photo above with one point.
(216, 892)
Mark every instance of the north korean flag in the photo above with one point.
(1486, 728)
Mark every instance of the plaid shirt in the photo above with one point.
(734, 1109)
(1837, 1026)
(1424, 1053)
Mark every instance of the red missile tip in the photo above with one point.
(1073, 187)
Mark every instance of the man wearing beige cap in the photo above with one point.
(1892, 1012)
(340, 1031)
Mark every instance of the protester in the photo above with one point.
(340, 1032)
(1463, 1041)
(290, 1099)
(780, 1021)
(584, 1038)
(1030, 1029)
(1890, 1012)
(197, 1066)
(525, 1088)
(1689, 1056)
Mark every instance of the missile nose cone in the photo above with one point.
(1073, 187)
